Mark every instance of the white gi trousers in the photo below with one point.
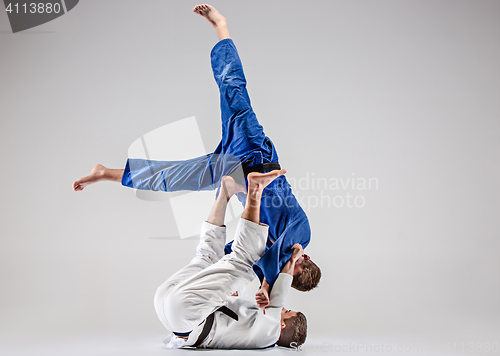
(205, 284)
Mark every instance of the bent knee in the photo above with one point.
(181, 314)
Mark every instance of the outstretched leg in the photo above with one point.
(200, 173)
(241, 132)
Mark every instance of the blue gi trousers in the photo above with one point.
(243, 139)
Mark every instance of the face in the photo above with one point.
(287, 314)
(298, 264)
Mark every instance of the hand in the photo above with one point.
(262, 298)
(298, 251)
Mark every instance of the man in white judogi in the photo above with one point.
(196, 304)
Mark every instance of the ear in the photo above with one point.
(283, 325)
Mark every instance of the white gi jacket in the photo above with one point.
(254, 329)
(206, 282)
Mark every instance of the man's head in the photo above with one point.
(306, 274)
(293, 329)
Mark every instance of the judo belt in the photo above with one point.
(209, 322)
(264, 167)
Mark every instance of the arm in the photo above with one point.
(262, 296)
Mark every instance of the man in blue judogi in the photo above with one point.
(244, 147)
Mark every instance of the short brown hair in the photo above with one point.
(308, 278)
(295, 332)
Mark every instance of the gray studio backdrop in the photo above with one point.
(394, 104)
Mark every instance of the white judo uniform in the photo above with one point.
(186, 299)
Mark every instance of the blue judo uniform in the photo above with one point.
(243, 140)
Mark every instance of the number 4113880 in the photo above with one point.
(34, 8)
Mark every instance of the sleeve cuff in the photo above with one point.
(127, 178)
(255, 226)
(280, 290)
(208, 226)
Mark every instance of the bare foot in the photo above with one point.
(211, 14)
(230, 187)
(258, 181)
(97, 174)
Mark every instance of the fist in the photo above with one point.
(262, 298)
(298, 251)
